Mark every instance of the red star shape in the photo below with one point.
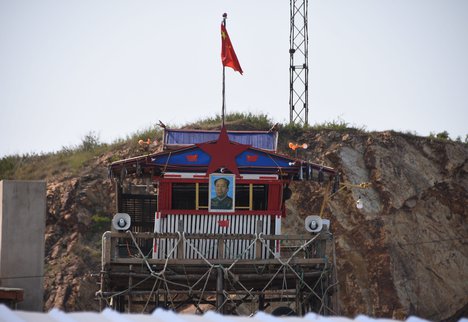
(223, 153)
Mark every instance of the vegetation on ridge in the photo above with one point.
(72, 159)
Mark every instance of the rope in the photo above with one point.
(167, 161)
(197, 251)
(286, 263)
(204, 286)
(149, 296)
(161, 273)
(240, 256)
(232, 279)
(277, 165)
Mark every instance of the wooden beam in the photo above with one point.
(202, 262)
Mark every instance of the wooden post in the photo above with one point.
(219, 290)
(258, 243)
(221, 243)
(156, 298)
(180, 245)
(106, 250)
(261, 302)
(299, 299)
(130, 283)
(118, 196)
(103, 288)
(320, 247)
(277, 242)
(113, 244)
(121, 303)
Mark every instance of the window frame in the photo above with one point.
(272, 207)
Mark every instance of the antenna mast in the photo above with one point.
(298, 63)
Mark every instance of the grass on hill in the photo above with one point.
(72, 159)
(234, 121)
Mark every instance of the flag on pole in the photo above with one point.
(228, 55)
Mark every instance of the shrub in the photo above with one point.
(90, 141)
(443, 135)
(235, 121)
(8, 165)
(99, 224)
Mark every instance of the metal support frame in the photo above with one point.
(298, 63)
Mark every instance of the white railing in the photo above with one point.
(216, 224)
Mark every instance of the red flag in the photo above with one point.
(228, 55)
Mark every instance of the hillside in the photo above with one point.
(405, 253)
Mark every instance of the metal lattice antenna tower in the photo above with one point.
(298, 63)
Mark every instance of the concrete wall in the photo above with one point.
(22, 225)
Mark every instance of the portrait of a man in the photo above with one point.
(222, 192)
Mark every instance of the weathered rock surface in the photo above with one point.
(405, 253)
(74, 206)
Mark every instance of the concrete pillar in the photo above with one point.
(22, 226)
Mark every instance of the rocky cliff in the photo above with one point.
(404, 253)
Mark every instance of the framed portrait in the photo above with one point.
(221, 192)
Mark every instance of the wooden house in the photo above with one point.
(214, 195)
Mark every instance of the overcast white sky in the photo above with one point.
(115, 66)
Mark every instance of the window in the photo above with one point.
(194, 196)
(251, 196)
(243, 196)
(189, 196)
(183, 196)
(260, 197)
(202, 196)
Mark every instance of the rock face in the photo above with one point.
(79, 209)
(404, 253)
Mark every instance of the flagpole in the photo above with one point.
(224, 80)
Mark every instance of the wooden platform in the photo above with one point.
(11, 296)
(300, 275)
